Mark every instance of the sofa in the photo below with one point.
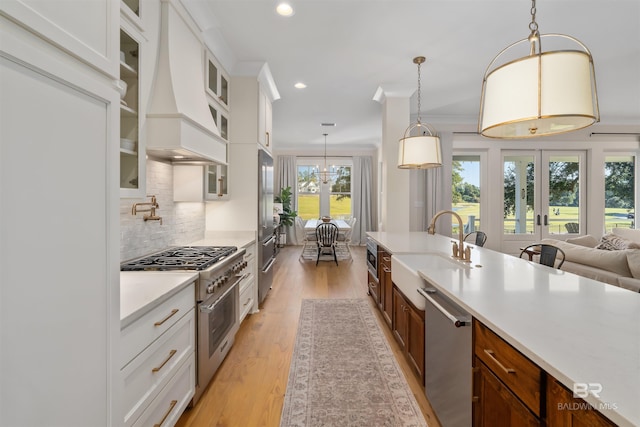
(613, 259)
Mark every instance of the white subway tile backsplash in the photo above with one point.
(182, 223)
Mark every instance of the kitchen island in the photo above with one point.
(579, 331)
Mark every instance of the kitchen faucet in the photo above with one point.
(153, 205)
(459, 251)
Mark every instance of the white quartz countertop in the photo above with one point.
(402, 243)
(577, 329)
(141, 291)
(240, 239)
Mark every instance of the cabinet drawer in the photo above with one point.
(384, 258)
(247, 296)
(519, 374)
(151, 370)
(141, 333)
(165, 410)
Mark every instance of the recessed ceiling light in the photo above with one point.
(299, 85)
(178, 157)
(284, 8)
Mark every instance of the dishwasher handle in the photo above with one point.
(457, 321)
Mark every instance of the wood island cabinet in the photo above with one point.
(408, 330)
(374, 288)
(564, 410)
(511, 390)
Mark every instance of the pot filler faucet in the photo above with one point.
(459, 251)
(153, 205)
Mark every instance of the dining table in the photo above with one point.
(311, 224)
(342, 248)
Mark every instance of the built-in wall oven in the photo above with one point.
(372, 257)
(217, 299)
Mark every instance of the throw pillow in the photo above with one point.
(627, 233)
(613, 242)
(587, 241)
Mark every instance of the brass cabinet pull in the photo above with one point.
(386, 269)
(171, 353)
(171, 405)
(490, 353)
(246, 303)
(373, 285)
(174, 311)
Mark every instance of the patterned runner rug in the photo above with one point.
(343, 372)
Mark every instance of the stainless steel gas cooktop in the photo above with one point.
(180, 258)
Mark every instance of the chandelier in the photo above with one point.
(421, 151)
(540, 94)
(325, 174)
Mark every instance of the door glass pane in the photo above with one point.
(564, 196)
(308, 192)
(619, 187)
(519, 193)
(340, 197)
(465, 190)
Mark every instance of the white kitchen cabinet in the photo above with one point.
(251, 103)
(188, 184)
(158, 358)
(59, 113)
(248, 288)
(132, 142)
(217, 182)
(90, 39)
(265, 120)
(216, 80)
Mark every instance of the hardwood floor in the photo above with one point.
(248, 390)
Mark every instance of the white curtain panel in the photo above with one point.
(361, 191)
(286, 176)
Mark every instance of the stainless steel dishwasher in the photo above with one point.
(448, 357)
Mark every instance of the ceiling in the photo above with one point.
(344, 50)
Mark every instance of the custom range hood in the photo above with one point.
(179, 123)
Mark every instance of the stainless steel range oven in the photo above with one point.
(217, 298)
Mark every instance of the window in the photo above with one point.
(316, 199)
(308, 192)
(620, 190)
(340, 195)
(465, 192)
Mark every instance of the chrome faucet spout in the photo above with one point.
(432, 230)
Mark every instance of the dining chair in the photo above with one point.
(478, 238)
(344, 240)
(547, 254)
(308, 240)
(572, 227)
(326, 237)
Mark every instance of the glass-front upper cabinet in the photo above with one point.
(216, 182)
(217, 81)
(132, 146)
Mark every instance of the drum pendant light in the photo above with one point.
(540, 94)
(421, 151)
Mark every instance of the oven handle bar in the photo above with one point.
(209, 308)
(268, 267)
(269, 242)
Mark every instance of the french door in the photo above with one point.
(544, 196)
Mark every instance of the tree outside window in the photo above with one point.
(340, 195)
